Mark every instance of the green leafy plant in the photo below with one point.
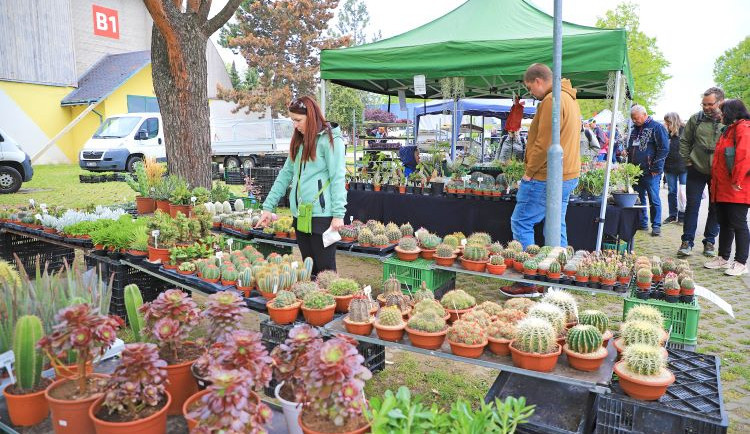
(139, 183)
(133, 303)
(318, 300)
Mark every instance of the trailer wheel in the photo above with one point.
(248, 163)
(10, 180)
(232, 162)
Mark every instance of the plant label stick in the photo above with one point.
(230, 241)
(155, 234)
(368, 292)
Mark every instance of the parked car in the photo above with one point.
(15, 165)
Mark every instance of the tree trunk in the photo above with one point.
(185, 112)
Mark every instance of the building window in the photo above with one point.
(142, 104)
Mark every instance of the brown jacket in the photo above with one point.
(540, 135)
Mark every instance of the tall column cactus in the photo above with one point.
(29, 359)
(133, 302)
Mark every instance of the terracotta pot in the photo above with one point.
(582, 279)
(319, 317)
(624, 280)
(496, 269)
(267, 295)
(390, 333)
(185, 272)
(154, 424)
(402, 189)
(645, 286)
(280, 234)
(191, 423)
(145, 205)
(608, 282)
(171, 266)
(362, 329)
(619, 345)
(509, 262)
(342, 302)
(518, 266)
(306, 430)
(426, 340)
(187, 210)
(347, 239)
(406, 256)
(210, 280)
(163, 205)
(138, 253)
(71, 371)
(473, 265)
(586, 362)
(456, 313)
(606, 336)
(71, 417)
(427, 253)
(595, 279)
(533, 361)
(569, 273)
(155, 254)
(26, 410)
(553, 276)
(672, 292)
(376, 187)
(228, 282)
(245, 290)
(444, 262)
(283, 315)
(180, 386)
(687, 292)
(464, 350)
(647, 389)
(657, 278)
(499, 347)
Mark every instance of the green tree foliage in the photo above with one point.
(647, 63)
(234, 75)
(732, 71)
(344, 104)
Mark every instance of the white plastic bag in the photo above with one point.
(681, 197)
(330, 236)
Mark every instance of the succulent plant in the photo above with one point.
(452, 241)
(406, 230)
(399, 300)
(478, 316)
(28, 359)
(430, 241)
(584, 339)
(497, 259)
(571, 267)
(223, 313)
(551, 313)
(515, 245)
(318, 300)
(554, 267)
(300, 289)
(530, 265)
(522, 304)
(522, 257)
(343, 287)
(230, 275)
(474, 252)
(391, 286)
(408, 244)
(644, 359)
(595, 318)
(566, 302)
(444, 250)
(289, 357)
(495, 248)
(138, 381)
(687, 283)
(365, 236)
(644, 275)
(509, 254)
(284, 299)
(640, 332)
(532, 249)
(393, 234)
(429, 305)
(510, 315)
(502, 330)
(211, 272)
(325, 277)
(423, 294)
(656, 270)
(380, 240)
(562, 258)
(359, 310)
(9, 274)
(492, 308)
(267, 282)
(535, 335)
(390, 316)
(457, 299)
(466, 332)
(133, 302)
(348, 231)
(481, 238)
(378, 229)
(644, 312)
(428, 321)
(168, 320)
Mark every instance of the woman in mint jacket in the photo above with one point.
(315, 172)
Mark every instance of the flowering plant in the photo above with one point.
(138, 382)
(168, 320)
(223, 313)
(242, 350)
(289, 357)
(82, 330)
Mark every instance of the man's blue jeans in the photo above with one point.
(531, 206)
(648, 184)
(696, 183)
(672, 181)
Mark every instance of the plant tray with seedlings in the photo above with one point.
(235, 233)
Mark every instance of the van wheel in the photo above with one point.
(232, 163)
(130, 165)
(10, 180)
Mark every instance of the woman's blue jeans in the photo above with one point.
(672, 180)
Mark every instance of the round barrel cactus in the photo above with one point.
(584, 339)
(595, 318)
(640, 332)
(535, 335)
(644, 359)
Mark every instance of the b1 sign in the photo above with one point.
(106, 22)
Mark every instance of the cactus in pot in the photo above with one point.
(343, 287)
(554, 269)
(478, 316)
(475, 252)
(640, 332)
(390, 316)
(284, 299)
(458, 299)
(565, 301)
(359, 310)
(595, 318)
(643, 278)
(393, 234)
(644, 312)
(467, 333)
(551, 313)
(427, 321)
(365, 237)
(423, 294)
(444, 251)
(406, 230)
(408, 245)
(318, 300)
(380, 240)
(642, 372)
(584, 339)
(493, 309)
(502, 330)
(429, 305)
(535, 335)
(229, 275)
(29, 360)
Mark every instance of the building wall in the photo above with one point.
(140, 84)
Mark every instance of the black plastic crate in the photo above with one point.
(29, 249)
(693, 404)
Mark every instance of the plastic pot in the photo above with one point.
(154, 424)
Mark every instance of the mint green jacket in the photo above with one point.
(329, 165)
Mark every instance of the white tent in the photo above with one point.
(605, 117)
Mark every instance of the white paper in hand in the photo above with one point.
(330, 236)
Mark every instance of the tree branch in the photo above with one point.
(162, 14)
(221, 18)
(204, 9)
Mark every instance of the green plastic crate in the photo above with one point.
(682, 317)
(621, 247)
(411, 274)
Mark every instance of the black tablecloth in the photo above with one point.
(444, 215)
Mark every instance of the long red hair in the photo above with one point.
(316, 122)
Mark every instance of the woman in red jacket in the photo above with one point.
(730, 189)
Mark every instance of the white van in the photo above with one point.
(15, 165)
(123, 140)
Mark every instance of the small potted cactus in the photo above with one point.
(566, 302)
(570, 269)
(390, 324)
(211, 273)
(642, 372)
(318, 308)
(657, 273)
(229, 276)
(457, 302)
(343, 290)
(553, 271)
(530, 267)
(671, 287)
(535, 346)
(186, 268)
(359, 321)
(380, 241)
(496, 264)
(364, 237)
(687, 289)
(493, 309)
(638, 332)
(348, 233)
(475, 257)
(284, 308)
(643, 281)
(428, 244)
(407, 249)
(445, 255)
(584, 349)
(623, 275)
(499, 336)
(609, 276)
(599, 320)
(432, 305)
(427, 329)
(422, 294)
(509, 255)
(582, 275)
(553, 315)
(467, 339)
(391, 286)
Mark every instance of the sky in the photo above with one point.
(691, 34)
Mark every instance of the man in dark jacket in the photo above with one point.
(648, 147)
(697, 145)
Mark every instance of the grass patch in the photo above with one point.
(734, 357)
(744, 341)
(729, 376)
(742, 371)
(709, 349)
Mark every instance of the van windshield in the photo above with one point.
(114, 128)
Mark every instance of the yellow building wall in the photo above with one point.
(140, 84)
(85, 128)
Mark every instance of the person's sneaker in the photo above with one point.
(642, 228)
(668, 220)
(736, 269)
(709, 250)
(656, 232)
(716, 263)
(685, 249)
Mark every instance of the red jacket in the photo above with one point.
(737, 135)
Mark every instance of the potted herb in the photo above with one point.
(359, 321)
(318, 308)
(457, 302)
(499, 336)
(140, 184)
(343, 290)
(626, 175)
(475, 257)
(445, 255)
(427, 329)
(284, 308)
(467, 338)
(390, 324)
(407, 249)
(584, 348)
(535, 346)
(82, 330)
(642, 372)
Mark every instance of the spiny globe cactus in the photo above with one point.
(230, 275)
(423, 294)
(428, 321)
(467, 332)
(393, 235)
(408, 244)
(535, 335)
(478, 316)
(406, 230)
(554, 267)
(475, 252)
(391, 226)
(492, 308)
(365, 236)
(325, 277)
(359, 310)
(391, 286)
(671, 282)
(497, 259)
(211, 272)
(457, 299)
(284, 299)
(687, 283)
(532, 249)
(565, 301)
(515, 245)
(595, 318)
(644, 275)
(343, 287)
(481, 238)
(502, 330)
(429, 305)
(553, 314)
(522, 304)
(640, 332)
(430, 241)
(380, 240)
(348, 231)
(496, 248)
(444, 251)
(390, 316)
(452, 241)
(509, 253)
(530, 265)
(644, 359)
(510, 315)
(584, 339)
(399, 300)
(644, 312)
(300, 289)
(318, 300)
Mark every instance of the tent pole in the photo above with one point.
(454, 129)
(481, 160)
(610, 150)
(323, 96)
(552, 221)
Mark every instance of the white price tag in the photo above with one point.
(368, 291)
(219, 255)
(32, 203)
(466, 178)
(155, 233)
(351, 219)
(463, 242)
(6, 361)
(193, 199)
(295, 264)
(420, 85)
(38, 216)
(275, 288)
(480, 179)
(230, 241)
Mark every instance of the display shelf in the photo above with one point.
(597, 381)
(347, 252)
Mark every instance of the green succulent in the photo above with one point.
(475, 252)
(427, 321)
(595, 318)
(644, 312)
(551, 313)
(466, 332)
(584, 339)
(502, 330)
(457, 299)
(444, 251)
(644, 359)
(390, 316)
(343, 287)
(535, 335)
(318, 300)
(284, 299)
(640, 332)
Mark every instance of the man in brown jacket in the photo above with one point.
(532, 196)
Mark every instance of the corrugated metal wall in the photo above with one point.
(36, 42)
